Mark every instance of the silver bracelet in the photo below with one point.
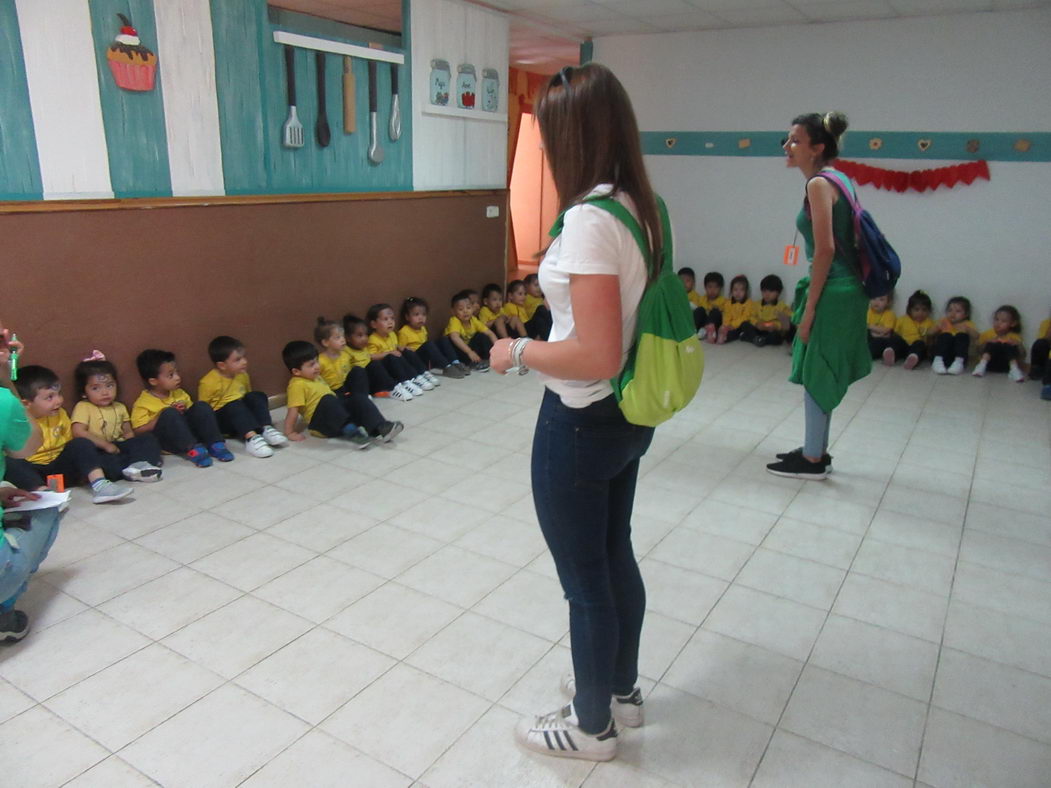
(517, 348)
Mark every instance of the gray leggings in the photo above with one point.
(815, 441)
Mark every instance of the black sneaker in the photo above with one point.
(825, 458)
(760, 340)
(389, 430)
(799, 467)
(14, 625)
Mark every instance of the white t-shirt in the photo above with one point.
(593, 241)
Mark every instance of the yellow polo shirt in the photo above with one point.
(771, 313)
(734, 315)
(487, 315)
(148, 406)
(57, 431)
(107, 423)
(694, 298)
(884, 319)
(532, 302)
(411, 337)
(305, 394)
(719, 302)
(378, 344)
(467, 332)
(514, 310)
(911, 331)
(218, 390)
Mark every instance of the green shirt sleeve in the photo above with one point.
(14, 426)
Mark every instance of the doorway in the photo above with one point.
(534, 203)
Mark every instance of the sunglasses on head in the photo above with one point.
(564, 75)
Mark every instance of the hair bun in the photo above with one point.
(836, 123)
(321, 320)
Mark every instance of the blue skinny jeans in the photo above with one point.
(584, 468)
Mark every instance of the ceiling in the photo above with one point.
(546, 34)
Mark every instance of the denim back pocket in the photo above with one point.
(603, 451)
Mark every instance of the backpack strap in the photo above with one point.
(840, 180)
(628, 220)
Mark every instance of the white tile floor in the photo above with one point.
(333, 617)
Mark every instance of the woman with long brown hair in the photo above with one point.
(585, 458)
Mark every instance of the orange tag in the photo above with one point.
(56, 482)
(791, 255)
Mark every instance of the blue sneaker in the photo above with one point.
(220, 452)
(198, 455)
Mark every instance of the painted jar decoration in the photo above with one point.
(441, 78)
(490, 90)
(465, 86)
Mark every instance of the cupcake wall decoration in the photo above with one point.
(133, 66)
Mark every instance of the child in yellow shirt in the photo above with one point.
(228, 391)
(438, 353)
(403, 364)
(953, 336)
(1039, 369)
(353, 346)
(514, 311)
(708, 314)
(689, 281)
(492, 312)
(1001, 346)
(773, 318)
(538, 316)
(881, 321)
(75, 459)
(180, 425)
(468, 334)
(739, 315)
(104, 420)
(914, 330)
(309, 396)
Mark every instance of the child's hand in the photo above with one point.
(396, 353)
(475, 358)
(10, 497)
(296, 436)
(179, 406)
(111, 448)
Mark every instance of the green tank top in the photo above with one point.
(845, 259)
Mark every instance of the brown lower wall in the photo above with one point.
(122, 280)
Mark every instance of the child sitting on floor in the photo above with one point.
(1001, 346)
(881, 321)
(739, 314)
(354, 343)
(180, 425)
(240, 411)
(74, 459)
(514, 311)
(469, 336)
(538, 316)
(913, 331)
(1038, 366)
(492, 312)
(311, 397)
(402, 363)
(953, 336)
(104, 420)
(708, 316)
(440, 353)
(773, 318)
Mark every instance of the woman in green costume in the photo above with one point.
(830, 350)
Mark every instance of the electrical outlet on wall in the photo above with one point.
(492, 211)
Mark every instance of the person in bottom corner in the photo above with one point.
(708, 315)
(240, 411)
(740, 313)
(1001, 346)
(469, 336)
(104, 420)
(881, 320)
(953, 335)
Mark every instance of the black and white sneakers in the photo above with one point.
(796, 466)
(559, 734)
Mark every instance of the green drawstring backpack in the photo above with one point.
(665, 364)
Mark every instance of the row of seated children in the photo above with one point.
(915, 336)
(522, 313)
(104, 443)
(720, 319)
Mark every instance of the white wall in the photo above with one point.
(468, 150)
(990, 241)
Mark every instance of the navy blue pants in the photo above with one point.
(179, 431)
(76, 460)
(584, 469)
(249, 414)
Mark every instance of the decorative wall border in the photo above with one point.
(1022, 146)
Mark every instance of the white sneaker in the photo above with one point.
(257, 447)
(109, 491)
(142, 471)
(979, 369)
(273, 437)
(1015, 374)
(957, 367)
(412, 388)
(938, 366)
(626, 709)
(432, 379)
(423, 383)
(559, 734)
(401, 392)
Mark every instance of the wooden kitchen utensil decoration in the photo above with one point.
(441, 77)
(466, 80)
(133, 66)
